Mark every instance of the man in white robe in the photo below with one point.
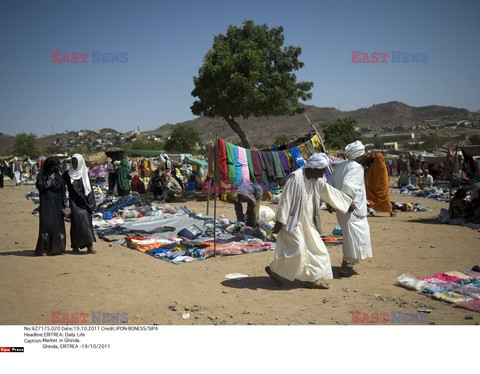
(300, 253)
(349, 177)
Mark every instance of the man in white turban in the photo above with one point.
(300, 253)
(349, 177)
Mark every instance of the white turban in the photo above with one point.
(318, 161)
(355, 149)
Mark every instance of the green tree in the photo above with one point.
(26, 145)
(377, 142)
(340, 132)
(183, 139)
(433, 141)
(146, 145)
(280, 140)
(474, 139)
(249, 72)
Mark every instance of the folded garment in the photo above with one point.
(442, 277)
(458, 274)
(410, 282)
(473, 305)
(470, 290)
(451, 297)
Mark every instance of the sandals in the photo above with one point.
(277, 278)
(317, 285)
(348, 273)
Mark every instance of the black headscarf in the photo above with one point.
(51, 165)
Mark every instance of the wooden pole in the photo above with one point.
(216, 182)
(451, 181)
(316, 131)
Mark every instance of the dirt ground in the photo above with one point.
(121, 280)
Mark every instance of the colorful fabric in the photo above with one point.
(232, 174)
(473, 305)
(243, 161)
(305, 153)
(238, 166)
(316, 143)
(442, 277)
(310, 147)
(267, 157)
(297, 157)
(257, 167)
(376, 183)
(283, 159)
(250, 166)
(222, 164)
(279, 172)
(264, 167)
(291, 163)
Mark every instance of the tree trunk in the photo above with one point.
(238, 130)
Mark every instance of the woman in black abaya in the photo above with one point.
(82, 204)
(51, 237)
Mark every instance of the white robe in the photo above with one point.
(349, 178)
(300, 252)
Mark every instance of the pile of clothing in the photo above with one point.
(461, 288)
(410, 207)
(439, 194)
(178, 235)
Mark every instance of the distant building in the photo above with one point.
(391, 145)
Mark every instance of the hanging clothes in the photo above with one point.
(257, 166)
(297, 157)
(283, 159)
(305, 153)
(317, 145)
(310, 147)
(222, 160)
(279, 172)
(264, 167)
(250, 166)
(231, 162)
(238, 166)
(291, 163)
(243, 162)
(267, 157)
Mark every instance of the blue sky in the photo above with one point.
(166, 42)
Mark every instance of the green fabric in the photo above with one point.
(279, 172)
(310, 147)
(123, 172)
(231, 161)
(250, 165)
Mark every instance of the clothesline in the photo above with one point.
(241, 165)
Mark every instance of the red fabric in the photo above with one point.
(137, 185)
(222, 156)
(442, 276)
(473, 305)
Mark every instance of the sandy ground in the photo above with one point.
(118, 279)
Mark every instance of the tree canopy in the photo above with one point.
(183, 139)
(26, 145)
(248, 72)
(280, 140)
(340, 132)
(474, 139)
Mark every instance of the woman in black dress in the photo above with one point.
(51, 237)
(82, 204)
